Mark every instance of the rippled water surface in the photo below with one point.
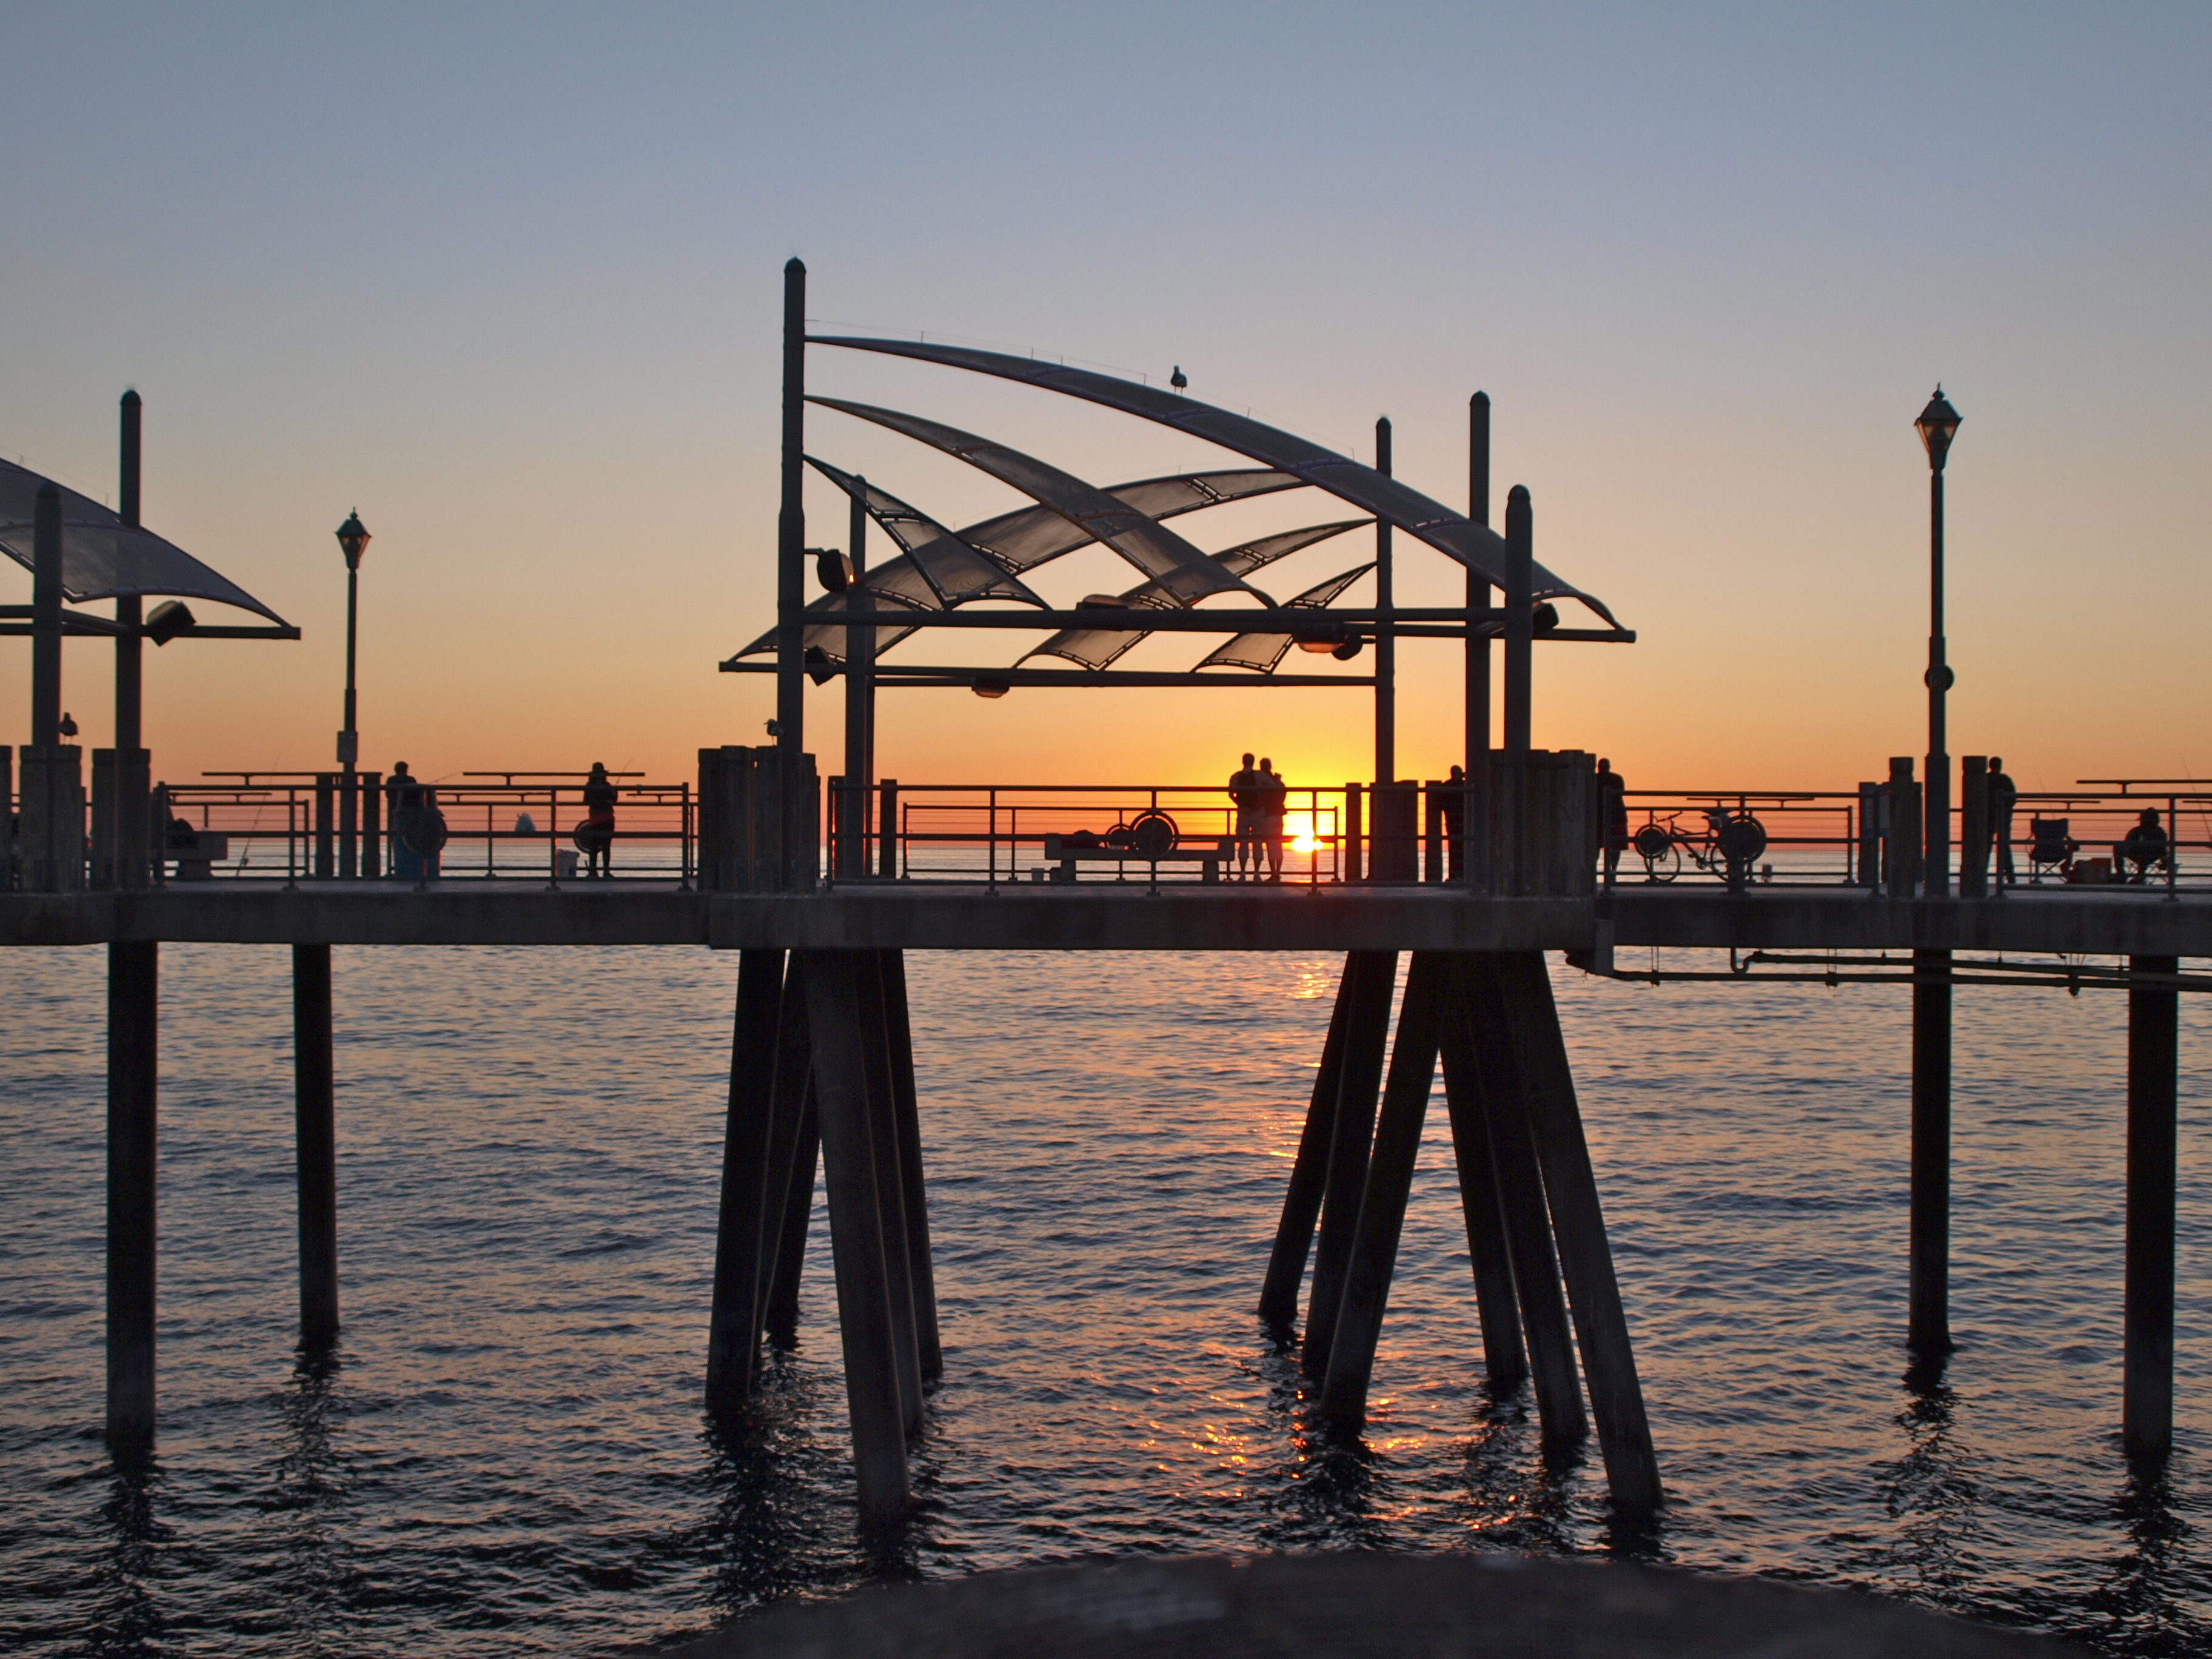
(506, 1454)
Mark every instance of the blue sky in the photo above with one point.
(508, 279)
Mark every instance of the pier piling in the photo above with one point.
(1928, 1328)
(834, 1008)
(1578, 1224)
(133, 1010)
(922, 1270)
(315, 1143)
(779, 1321)
(890, 1187)
(752, 1186)
(2147, 1413)
(1504, 1094)
(1389, 1181)
(1505, 1359)
(1286, 1262)
(1372, 977)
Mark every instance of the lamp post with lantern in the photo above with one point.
(353, 540)
(1938, 424)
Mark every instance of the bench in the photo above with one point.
(1208, 857)
(197, 856)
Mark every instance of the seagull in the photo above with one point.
(69, 726)
(1178, 379)
(775, 729)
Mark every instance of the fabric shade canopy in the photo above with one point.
(104, 558)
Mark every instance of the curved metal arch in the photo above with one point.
(1450, 533)
(1020, 540)
(1098, 648)
(1187, 572)
(1028, 536)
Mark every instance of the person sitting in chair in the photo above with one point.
(2144, 846)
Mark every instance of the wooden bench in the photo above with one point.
(1209, 856)
(197, 858)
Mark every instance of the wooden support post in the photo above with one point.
(2147, 1411)
(1505, 1359)
(1372, 977)
(133, 1084)
(1286, 1263)
(1624, 1433)
(923, 1270)
(834, 1011)
(752, 1186)
(315, 1143)
(1928, 1323)
(780, 1320)
(890, 1185)
(1382, 1200)
(1505, 1091)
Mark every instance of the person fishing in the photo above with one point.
(595, 836)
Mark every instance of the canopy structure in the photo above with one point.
(1395, 504)
(1018, 541)
(1098, 648)
(104, 558)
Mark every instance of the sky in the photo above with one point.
(508, 279)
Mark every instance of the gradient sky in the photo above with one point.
(508, 280)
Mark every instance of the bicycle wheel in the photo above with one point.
(1661, 852)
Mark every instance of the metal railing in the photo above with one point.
(290, 827)
(965, 834)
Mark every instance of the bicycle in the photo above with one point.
(1727, 847)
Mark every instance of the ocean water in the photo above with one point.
(506, 1454)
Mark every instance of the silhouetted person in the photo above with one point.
(1455, 817)
(1612, 815)
(1273, 795)
(2145, 847)
(1244, 795)
(595, 836)
(2004, 797)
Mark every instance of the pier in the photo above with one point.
(822, 885)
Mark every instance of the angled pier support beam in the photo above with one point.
(890, 1192)
(2147, 1411)
(1389, 1182)
(133, 1096)
(1928, 1320)
(1371, 976)
(1623, 1432)
(750, 1214)
(1504, 1357)
(922, 1269)
(1504, 1091)
(780, 1318)
(1286, 1262)
(836, 1008)
(315, 1143)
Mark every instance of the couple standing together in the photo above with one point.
(1258, 797)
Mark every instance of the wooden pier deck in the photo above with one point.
(1111, 916)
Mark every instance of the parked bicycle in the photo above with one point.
(1727, 847)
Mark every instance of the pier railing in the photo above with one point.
(293, 827)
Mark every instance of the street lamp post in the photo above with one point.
(353, 539)
(1938, 422)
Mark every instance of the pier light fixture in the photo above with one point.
(991, 685)
(353, 541)
(1938, 424)
(353, 537)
